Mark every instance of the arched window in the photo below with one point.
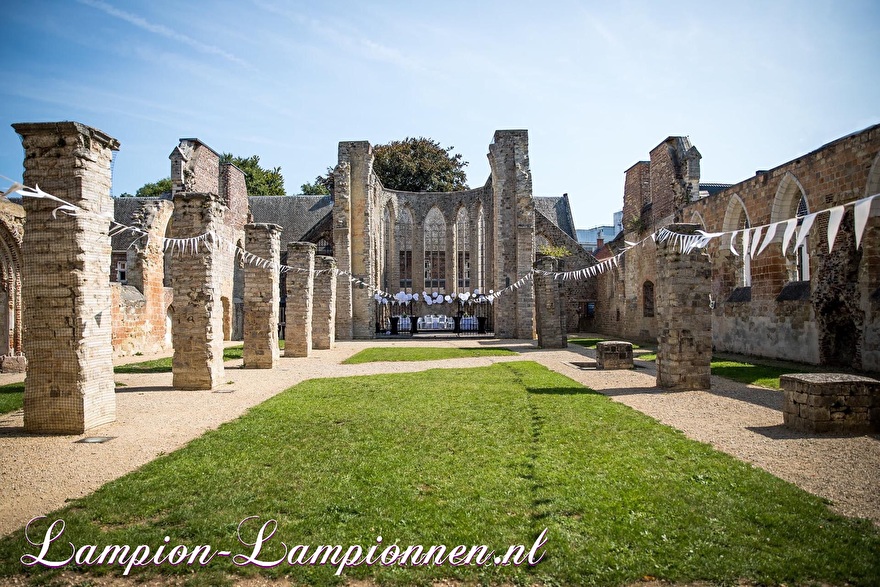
(435, 251)
(463, 249)
(736, 219)
(801, 269)
(404, 240)
(791, 202)
(481, 249)
(648, 299)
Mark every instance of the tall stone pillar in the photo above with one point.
(197, 326)
(684, 319)
(342, 248)
(549, 307)
(513, 232)
(300, 296)
(324, 308)
(261, 297)
(65, 279)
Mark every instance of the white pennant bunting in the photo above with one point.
(733, 243)
(790, 227)
(756, 240)
(861, 212)
(835, 215)
(771, 232)
(805, 230)
(746, 240)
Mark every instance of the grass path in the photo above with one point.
(494, 459)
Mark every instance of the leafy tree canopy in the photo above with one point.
(260, 181)
(419, 165)
(151, 190)
(413, 165)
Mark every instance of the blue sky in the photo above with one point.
(597, 84)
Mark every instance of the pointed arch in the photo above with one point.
(697, 218)
(791, 201)
(435, 251)
(736, 217)
(403, 241)
(463, 249)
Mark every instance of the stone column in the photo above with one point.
(300, 295)
(684, 319)
(65, 279)
(261, 297)
(197, 326)
(549, 314)
(324, 308)
(342, 248)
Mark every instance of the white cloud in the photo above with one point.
(164, 31)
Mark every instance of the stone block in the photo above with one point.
(614, 354)
(831, 402)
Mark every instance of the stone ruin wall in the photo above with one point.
(574, 293)
(140, 309)
(844, 289)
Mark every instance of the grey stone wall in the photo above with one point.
(65, 287)
(300, 296)
(324, 307)
(261, 297)
(549, 307)
(513, 232)
(684, 349)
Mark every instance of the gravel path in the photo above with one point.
(38, 474)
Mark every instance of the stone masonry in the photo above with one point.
(197, 329)
(324, 307)
(614, 354)
(684, 349)
(261, 297)
(66, 293)
(831, 402)
(549, 307)
(300, 294)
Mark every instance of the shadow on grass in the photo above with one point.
(561, 391)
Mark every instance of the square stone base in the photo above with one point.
(831, 402)
(614, 354)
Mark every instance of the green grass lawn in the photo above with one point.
(471, 456)
(11, 397)
(749, 373)
(375, 354)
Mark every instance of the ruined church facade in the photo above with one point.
(806, 304)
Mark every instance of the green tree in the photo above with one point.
(151, 190)
(419, 165)
(413, 165)
(322, 186)
(260, 181)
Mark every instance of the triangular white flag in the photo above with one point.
(756, 240)
(771, 232)
(733, 244)
(790, 227)
(747, 233)
(835, 215)
(862, 211)
(806, 225)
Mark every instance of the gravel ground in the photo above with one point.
(38, 474)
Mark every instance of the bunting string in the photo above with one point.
(752, 241)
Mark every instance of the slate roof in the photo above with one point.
(558, 211)
(714, 188)
(123, 211)
(297, 215)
